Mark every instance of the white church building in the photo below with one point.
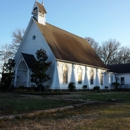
(73, 59)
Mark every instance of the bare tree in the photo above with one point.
(9, 50)
(17, 38)
(109, 51)
(123, 55)
(94, 44)
(6, 53)
(18, 35)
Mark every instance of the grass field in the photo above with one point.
(17, 104)
(111, 115)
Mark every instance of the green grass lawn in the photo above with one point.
(105, 96)
(108, 116)
(15, 104)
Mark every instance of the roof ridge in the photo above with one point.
(40, 6)
(63, 30)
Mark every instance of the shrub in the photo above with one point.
(115, 85)
(6, 82)
(32, 88)
(84, 87)
(47, 88)
(7, 75)
(12, 88)
(39, 88)
(106, 88)
(22, 88)
(4, 88)
(96, 88)
(71, 86)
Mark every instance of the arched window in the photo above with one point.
(101, 78)
(91, 76)
(65, 74)
(79, 75)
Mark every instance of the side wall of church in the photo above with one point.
(73, 76)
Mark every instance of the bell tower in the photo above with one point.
(39, 13)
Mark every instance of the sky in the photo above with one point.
(99, 19)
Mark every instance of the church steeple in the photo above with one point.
(39, 13)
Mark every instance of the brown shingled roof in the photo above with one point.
(41, 8)
(69, 47)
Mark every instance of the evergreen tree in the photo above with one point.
(39, 69)
(7, 74)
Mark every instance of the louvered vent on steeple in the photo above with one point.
(39, 13)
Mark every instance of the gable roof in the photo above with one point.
(41, 8)
(119, 68)
(69, 47)
(29, 59)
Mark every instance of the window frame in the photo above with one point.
(91, 77)
(101, 78)
(112, 78)
(65, 74)
(122, 81)
(80, 73)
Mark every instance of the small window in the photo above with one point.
(33, 37)
(35, 8)
(79, 76)
(65, 74)
(122, 81)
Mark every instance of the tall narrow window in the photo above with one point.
(91, 76)
(111, 79)
(65, 74)
(79, 75)
(101, 78)
(122, 81)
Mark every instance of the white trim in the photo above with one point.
(45, 40)
(28, 78)
(23, 39)
(81, 64)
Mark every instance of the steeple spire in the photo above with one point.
(42, 2)
(39, 12)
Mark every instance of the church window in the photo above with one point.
(79, 75)
(33, 37)
(111, 79)
(35, 11)
(35, 8)
(101, 78)
(122, 80)
(65, 74)
(91, 76)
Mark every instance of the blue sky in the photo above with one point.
(99, 19)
